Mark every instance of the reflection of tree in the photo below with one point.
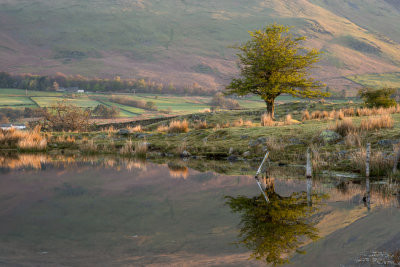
(275, 229)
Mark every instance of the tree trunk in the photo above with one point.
(270, 107)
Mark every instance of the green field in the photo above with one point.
(175, 104)
(83, 102)
(391, 80)
(10, 101)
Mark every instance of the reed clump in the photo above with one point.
(344, 127)
(240, 122)
(305, 116)
(135, 129)
(24, 140)
(141, 149)
(273, 144)
(127, 148)
(267, 120)
(380, 163)
(377, 123)
(200, 124)
(353, 139)
(89, 145)
(177, 126)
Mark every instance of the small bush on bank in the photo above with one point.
(378, 97)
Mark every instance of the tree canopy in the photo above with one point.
(272, 63)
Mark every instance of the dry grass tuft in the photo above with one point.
(353, 139)
(274, 144)
(110, 130)
(25, 140)
(349, 112)
(305, 116)
(135, 129)
(267, 120)
(141, 149)
(89, 145)
(380, 164)
(376, 123)
(127, 148)
(344, 127)
(288, 120)
(178, 126)
(320, 115)
(199, 124)
(240, 122)
(162, 129)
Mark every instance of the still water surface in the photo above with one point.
(110, 212)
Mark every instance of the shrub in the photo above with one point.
(378, 97)
(132, 102)
(105, 112)
(64, 117)
(220, 101)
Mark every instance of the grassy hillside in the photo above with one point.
(186, 41)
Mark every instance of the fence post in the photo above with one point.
(367, 160)
(396, 161)
(309, 165)
(367, 172)
(309, 178)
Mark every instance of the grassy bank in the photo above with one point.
(336, 133)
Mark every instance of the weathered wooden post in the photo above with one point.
(396, 160)
(367, 171)
(367, 159)
(309, 178)
(258, 180)
(309, 165)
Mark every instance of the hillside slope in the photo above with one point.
(187, 41)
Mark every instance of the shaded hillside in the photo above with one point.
(186, 41)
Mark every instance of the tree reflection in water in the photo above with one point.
(276, 229)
